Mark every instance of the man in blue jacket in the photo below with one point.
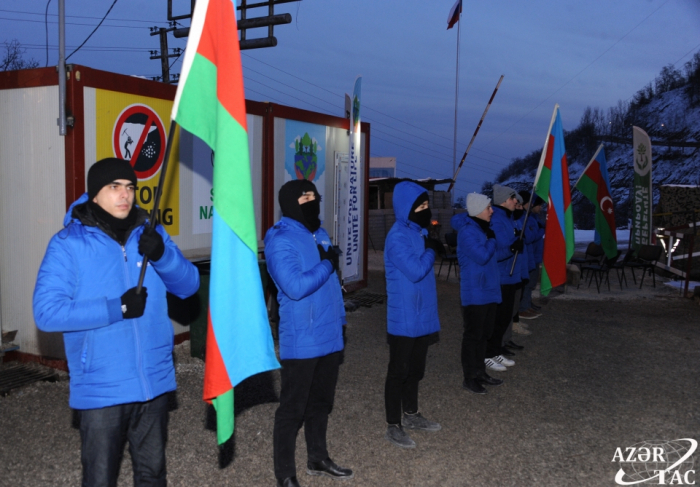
(118, 343)
(480, 288)
(412, 315)
(508, 243)
(303, 265)
(533, 246)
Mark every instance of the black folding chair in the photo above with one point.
(451, 255)
(601, 271)
(646, 259)
(620, 269)
(594, 253)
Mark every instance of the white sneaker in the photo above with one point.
(491, 365)
(500, 359)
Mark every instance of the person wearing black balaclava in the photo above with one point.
(412, 316)
(303, 265)
(118, 342)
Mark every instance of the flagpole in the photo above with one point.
(454, 143)
(537, 176)
(156, 198)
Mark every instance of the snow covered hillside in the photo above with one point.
(671, 118)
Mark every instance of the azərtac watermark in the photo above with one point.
(657, 463)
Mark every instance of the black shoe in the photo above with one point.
(485, 379)
(514, 345)
(535, 307)
(507, 352)
(288, 482)
(472, 385)
(329, 469)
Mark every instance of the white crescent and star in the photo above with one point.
(602, 203)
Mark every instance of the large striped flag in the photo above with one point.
(552, 185)
(594, 183)
(210, 104)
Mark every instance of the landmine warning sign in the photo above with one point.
(131, 127)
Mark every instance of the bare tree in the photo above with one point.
(13, 57)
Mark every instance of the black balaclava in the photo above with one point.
(306, 214)
(422, 218)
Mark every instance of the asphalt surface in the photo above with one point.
(600, 372)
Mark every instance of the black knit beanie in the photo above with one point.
(107, 170)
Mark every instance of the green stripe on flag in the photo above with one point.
(230, 142)
(542, 184)
(224, 416)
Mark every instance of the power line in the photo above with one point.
(81, 17)
(364, 106)
(93, 30)
(72, 23)
(371, 120)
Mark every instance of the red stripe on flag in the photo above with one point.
(550, 153)
(216, 380)
(220, 38)
(554, 255)
(565, 182)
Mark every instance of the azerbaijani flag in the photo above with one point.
(454, 14)
(210, 103)
(595, 185)
(552, 185)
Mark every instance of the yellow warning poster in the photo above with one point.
(135, 128)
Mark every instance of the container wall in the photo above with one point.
(32, 198)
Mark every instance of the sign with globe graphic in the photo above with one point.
(657, 462)
(303, 157)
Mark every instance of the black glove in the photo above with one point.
(436, 245)
(331, 255)
(517, 246)
(133, 304)
(490, 233)
(151, 244)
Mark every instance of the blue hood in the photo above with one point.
(405, 194)
(69, 214)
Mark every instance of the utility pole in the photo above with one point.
(163, 54)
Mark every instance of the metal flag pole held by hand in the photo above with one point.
(522, 230)
(156, 199)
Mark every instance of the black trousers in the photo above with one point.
(479, 321)
(406, 368)
(104, 432)
(504, 314)
(308, 391)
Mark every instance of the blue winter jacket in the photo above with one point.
(479, 282)
(410, 280)
(533, 236)
(523, 259)
(312, 313)
(504, 228)
(78, 292)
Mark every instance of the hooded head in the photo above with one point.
(307, 213)
(407, 197)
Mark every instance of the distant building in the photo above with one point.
(382, 167)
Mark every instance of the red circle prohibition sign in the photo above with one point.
(139, 137)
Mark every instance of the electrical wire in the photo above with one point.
(46, 26)
(94, 30)
(84, 17)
